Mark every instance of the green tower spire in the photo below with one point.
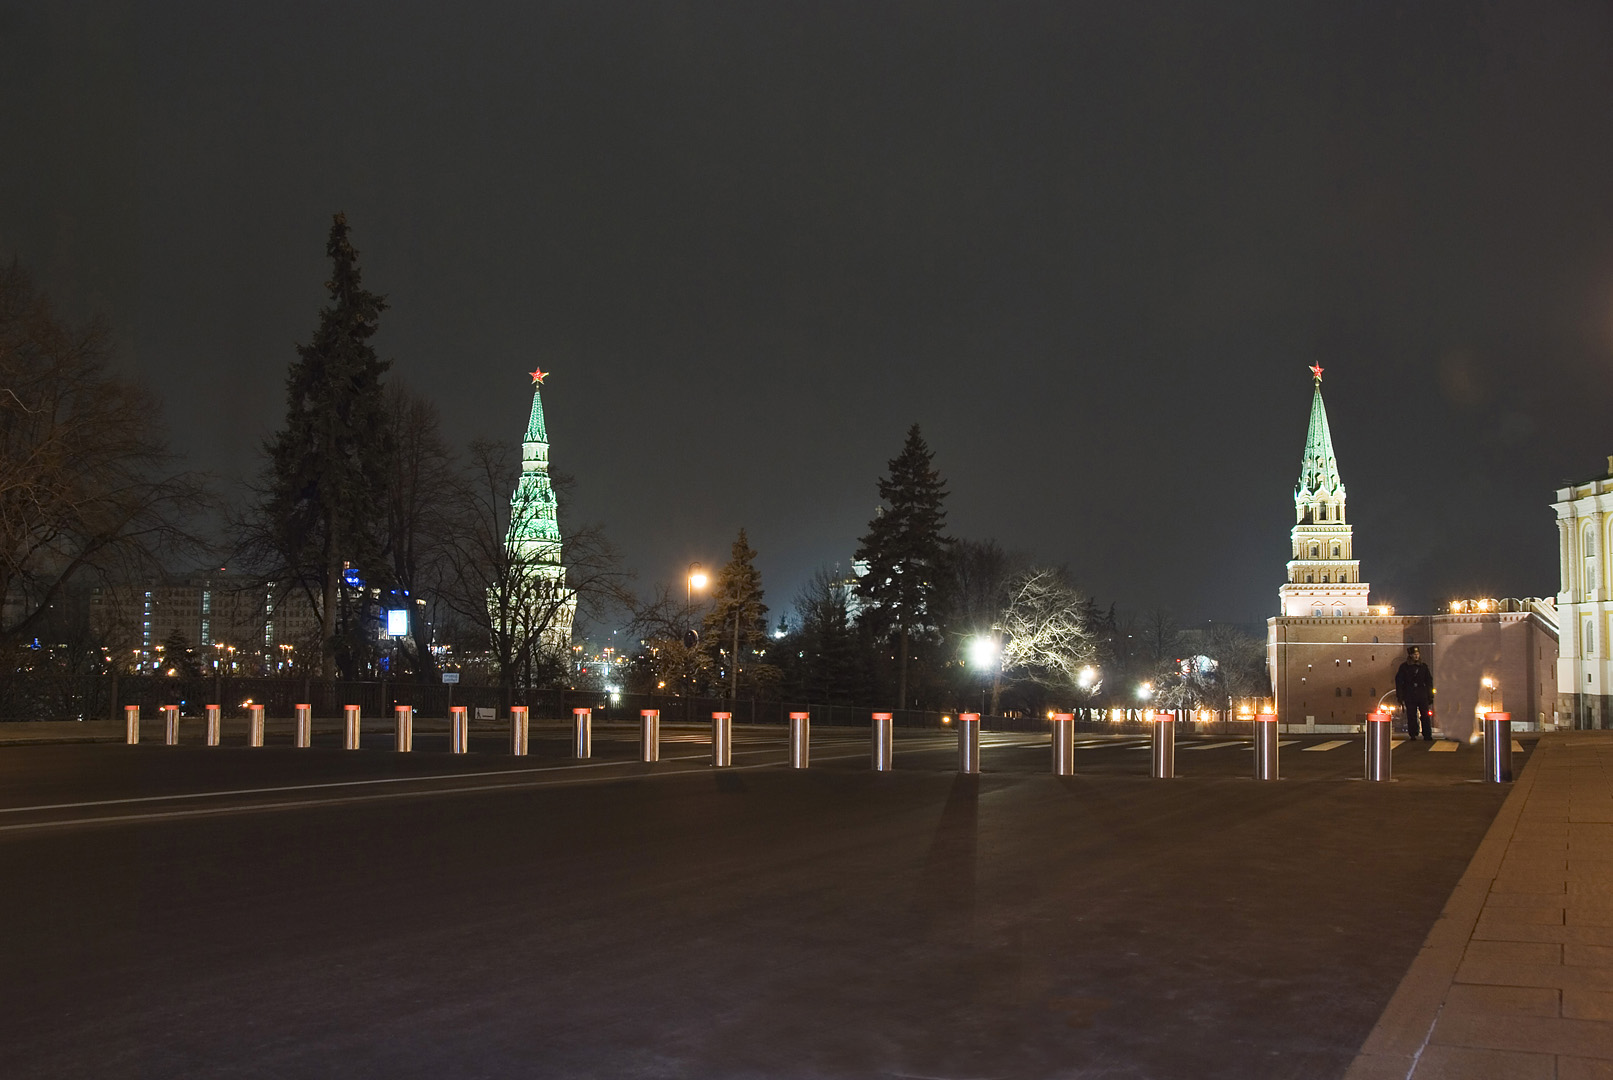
(1319, 471)
(534, 535)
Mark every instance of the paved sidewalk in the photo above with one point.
(1515, 981)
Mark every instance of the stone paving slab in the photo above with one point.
(1516, 978)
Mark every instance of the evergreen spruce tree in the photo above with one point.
(904, 549)
(326, 493)
(736, 625)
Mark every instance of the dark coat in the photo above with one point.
(1414, 683)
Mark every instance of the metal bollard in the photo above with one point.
(1266, 746)
(131, 723)
(649, 744)
(969, 742)
(1380, 765)
(213, 713)
(583, 741)
(1063, 744)
(170, 725)
(800, 739)
(1164, 748)
(520, 730)
(352, 727)
(458, 730)
(882, 742)
(1498, 747)
(722, 740)
(254, 725)
(403, 739)
(305, 725)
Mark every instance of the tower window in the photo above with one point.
(1316, 550)
(1335, 551)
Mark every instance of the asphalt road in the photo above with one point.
(233, 912)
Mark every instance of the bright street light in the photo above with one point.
(1145, 690)
(1086, 678)
(983, 652)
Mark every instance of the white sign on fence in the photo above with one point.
(450, 677)
(487, 714)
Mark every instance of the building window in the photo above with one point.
(1349, 691)
(1590, 637)
(1335, 551)
(1337, 692)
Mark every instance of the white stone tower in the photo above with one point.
(1324, 577)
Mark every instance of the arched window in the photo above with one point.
(1589, 641)
(1337, 692)
(1349, 691)
(1589, 553)
(1310, 579)
(1335, 551)
(1316, 550)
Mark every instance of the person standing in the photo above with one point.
(1414, 685)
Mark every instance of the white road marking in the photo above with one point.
(1286, 742)
(299, 804)
(1214, 745)
(1517, 747)
(1444, 746)
(1334, 745)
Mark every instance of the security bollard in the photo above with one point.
(583, 742)
(1379, 764)
(458, 730)
(1063, 744)
(1164, 748)
(649, 743)
(403, 739)
(520, 730)
(213, 713)
(131, 724)
(254, 725)
(170, 725)
(1266, 746)
(882, 742)
(722, 739)
(1498, 747)
(969, 742)
(800, 739)
(351, 727)
(305, 725)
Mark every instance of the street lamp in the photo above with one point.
(986, 654)
(1145, 691)
(1490, 684)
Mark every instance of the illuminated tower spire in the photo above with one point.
(1324, 577)
(533, 543)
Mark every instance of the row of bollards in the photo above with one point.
(1378, 743)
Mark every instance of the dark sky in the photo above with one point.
(1090, 248)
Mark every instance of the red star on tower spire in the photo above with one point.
(1316, 369)
(538, 376)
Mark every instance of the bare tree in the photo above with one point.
(421, 481)
(1047, 631)
(87, 486)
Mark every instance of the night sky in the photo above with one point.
(1091, 248)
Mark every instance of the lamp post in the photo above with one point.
(695, 579)
(986, 654)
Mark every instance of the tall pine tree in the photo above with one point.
(736, 625)
(325, 501)
(904, 549)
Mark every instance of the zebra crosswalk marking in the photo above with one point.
(1444, 746)
(1214, 745)
(1333, 745)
